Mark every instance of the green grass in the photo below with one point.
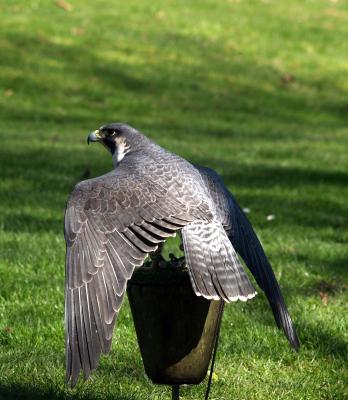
(255, 89)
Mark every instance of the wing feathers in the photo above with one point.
(157, 231)
(92, 339)
(145, 236)
(81, 332)
(111, 224)
(248, 246)
(101, 256)
(143, 245)
(215, 270)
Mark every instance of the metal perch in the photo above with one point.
(175, 392)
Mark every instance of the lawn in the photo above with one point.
(257, 90)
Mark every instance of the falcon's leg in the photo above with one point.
(181, 246)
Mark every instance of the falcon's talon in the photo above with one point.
(156, 261)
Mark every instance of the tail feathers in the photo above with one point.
(213, 264)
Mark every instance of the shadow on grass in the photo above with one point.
(260, 175)
(17, 391)
(323, 342)
(123, 373)
(26, 222)
(80, 85)
(335, 268)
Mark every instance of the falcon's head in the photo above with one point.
(118, 138)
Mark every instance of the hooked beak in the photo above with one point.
(94, 136)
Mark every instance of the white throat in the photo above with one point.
(121, 150)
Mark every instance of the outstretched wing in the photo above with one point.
(247, 244)
(111, 224)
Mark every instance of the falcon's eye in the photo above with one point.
(111, 133)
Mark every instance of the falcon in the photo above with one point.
(113, 222)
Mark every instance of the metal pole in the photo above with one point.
(175, 392)
(217, 333)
